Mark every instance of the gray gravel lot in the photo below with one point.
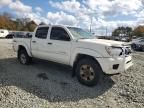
(24, 86)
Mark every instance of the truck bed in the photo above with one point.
(21, 41)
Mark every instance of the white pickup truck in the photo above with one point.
(73, 46)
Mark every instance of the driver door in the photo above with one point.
(59, 45)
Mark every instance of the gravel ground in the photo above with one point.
(49, 85)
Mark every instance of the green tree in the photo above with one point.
(126, 31)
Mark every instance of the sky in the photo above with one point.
(101, 15)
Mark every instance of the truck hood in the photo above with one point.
(103, 42)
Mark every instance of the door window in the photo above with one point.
(58, 33)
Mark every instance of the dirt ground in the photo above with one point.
(45, 84)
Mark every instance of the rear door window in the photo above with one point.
(42, 32)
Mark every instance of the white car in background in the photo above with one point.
(3, 33)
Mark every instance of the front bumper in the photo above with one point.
(121, 63)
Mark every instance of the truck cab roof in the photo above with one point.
(57, 25)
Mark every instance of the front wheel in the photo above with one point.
(23, 57)
(88, 72)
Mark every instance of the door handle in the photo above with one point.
(49, 43)
(33, 41)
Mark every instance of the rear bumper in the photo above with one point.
(115, 65)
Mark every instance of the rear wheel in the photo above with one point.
(23, 57)
(88, 72)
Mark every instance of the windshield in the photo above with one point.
(79, 33)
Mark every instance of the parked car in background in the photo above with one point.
(89, 57)
(137, 39)
(29, 35)
(3, 33)
(23, 34)
(9, 36)
(125, 39)
(138, 44)
(116, 38)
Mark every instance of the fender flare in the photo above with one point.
(26, 47)
(85, 51)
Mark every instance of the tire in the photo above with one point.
(23, 57)
(90, 78)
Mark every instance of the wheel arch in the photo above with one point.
(80, 56)
(83, 51)
(23, 47)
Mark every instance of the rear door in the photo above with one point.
(39, 43)
(59, 45)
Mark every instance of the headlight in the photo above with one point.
(113, 51)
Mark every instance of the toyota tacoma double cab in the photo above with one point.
(88, 56)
